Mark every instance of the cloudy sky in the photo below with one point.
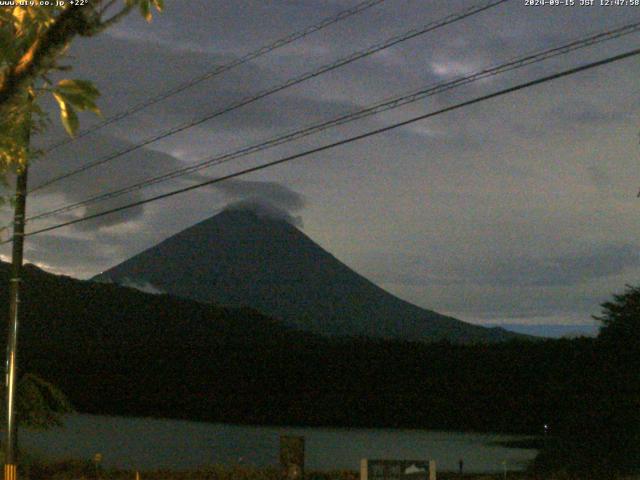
(521, 209)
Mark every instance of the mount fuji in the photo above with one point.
(248, 257)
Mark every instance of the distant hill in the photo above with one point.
(117, 350)
(554, 330)
(247, 258)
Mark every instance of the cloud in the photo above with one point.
(450, 68)
(58, 252)
(272, 192)
(269, 199)
(265, 209)
(580, 112)
(122, 172)
(512, 304)
(570, 269)
(143, 286)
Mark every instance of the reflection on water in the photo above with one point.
(148, 443)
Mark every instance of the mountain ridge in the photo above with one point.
(241, 257)
(118, 351)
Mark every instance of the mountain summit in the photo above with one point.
(248, 257)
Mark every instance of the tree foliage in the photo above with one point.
(600, 430)
(621, 321)
(33, 42)
(40, 404)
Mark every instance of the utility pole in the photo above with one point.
(11, 438)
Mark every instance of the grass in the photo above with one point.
(33, 468)
(84, 470)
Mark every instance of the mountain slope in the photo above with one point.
(240, 257)
(118, 351)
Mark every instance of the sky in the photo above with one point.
(517, 210)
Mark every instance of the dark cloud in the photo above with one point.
(113, 175)
(271, 113)
(115, 218)
(579, 112)
(570, 269)
(517, 271)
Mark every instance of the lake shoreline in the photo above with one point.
(535, 443)
(148, 444)
(337, 427)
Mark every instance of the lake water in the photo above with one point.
(143, 443)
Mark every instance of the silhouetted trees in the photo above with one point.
(620, 319)
(600, 430)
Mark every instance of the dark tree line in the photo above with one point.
(601, 429)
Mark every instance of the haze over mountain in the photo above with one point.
(251, 255)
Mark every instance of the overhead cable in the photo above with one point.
(449, 19)
(344, 14)
(388, 104)
(521, 86)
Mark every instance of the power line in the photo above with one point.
(326, 22)
(395, 102)
(378, 131)
(287, 84)
(377, 108)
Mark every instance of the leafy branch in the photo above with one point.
(32, 41)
